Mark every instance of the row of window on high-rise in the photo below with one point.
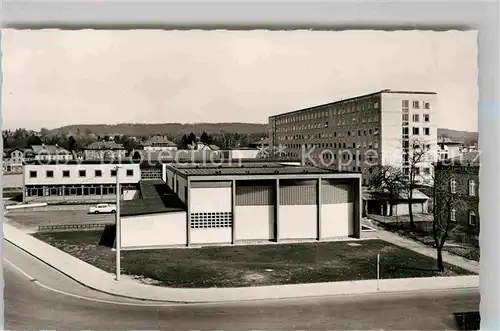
(326, 124)
(333, 110)
(340, 134)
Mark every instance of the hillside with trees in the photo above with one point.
(468, 138)
(171, 129)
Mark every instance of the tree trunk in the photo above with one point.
(440, 263)
(410, 213)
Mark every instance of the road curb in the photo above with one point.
(262, 293)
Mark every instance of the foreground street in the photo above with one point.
(28, 305)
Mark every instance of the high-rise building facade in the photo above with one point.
(357, 133)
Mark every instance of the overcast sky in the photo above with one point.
(53, 78)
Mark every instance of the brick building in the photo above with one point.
(459, 177)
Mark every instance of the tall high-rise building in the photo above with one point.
(355, 134)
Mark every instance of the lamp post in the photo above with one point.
(118, 232)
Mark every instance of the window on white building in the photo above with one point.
(406, 103)
(416, 118)
(427, 118)
(427, 105)
(416, 104)
(427, 131)
(32, 174)
(416, 131)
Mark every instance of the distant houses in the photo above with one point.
(104, 150)
(13, 159)
(159, 143)
(47, 153)
(201, 146)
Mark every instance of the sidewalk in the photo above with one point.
(97, 279)
(424, 249)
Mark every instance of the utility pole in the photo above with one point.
(118, 231)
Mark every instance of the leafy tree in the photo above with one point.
(191, 138)
(33, 140)
(204, 138)
(184, 142)
(72, 144)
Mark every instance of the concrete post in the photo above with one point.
(233, 202)
(358, 203)
(277, 210)
(188, 213)
(319, 205)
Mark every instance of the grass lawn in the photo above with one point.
(458, 243)
(253, 265)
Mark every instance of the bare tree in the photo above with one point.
(417, 153)
(388, 179)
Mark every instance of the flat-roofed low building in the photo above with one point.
(73, 182)
(245, 203)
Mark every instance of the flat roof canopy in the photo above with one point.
(272, 168)
(155, 197)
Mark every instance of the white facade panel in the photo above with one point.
(211, 236)
(42, 176)
(164, 229)
(206, 200)
(419, 118)
(337, 220)
(254, 222)
(298, 222)
(244, 153)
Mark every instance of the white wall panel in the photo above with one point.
(211, 236)
(337, 220)
(254, 222)
(298, 222)
(206, 200)
(164, 229)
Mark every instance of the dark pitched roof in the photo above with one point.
(107, 145)
(49, 149)
(466, 159)
(448, 141)
(371, 195)
(155, 197)
(159, 140)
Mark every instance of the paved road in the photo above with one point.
(30, 220)
(31, 306)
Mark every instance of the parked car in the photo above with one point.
(103, 208)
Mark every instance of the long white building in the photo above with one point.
(356, 133)
(58, 182)
(251, 202)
